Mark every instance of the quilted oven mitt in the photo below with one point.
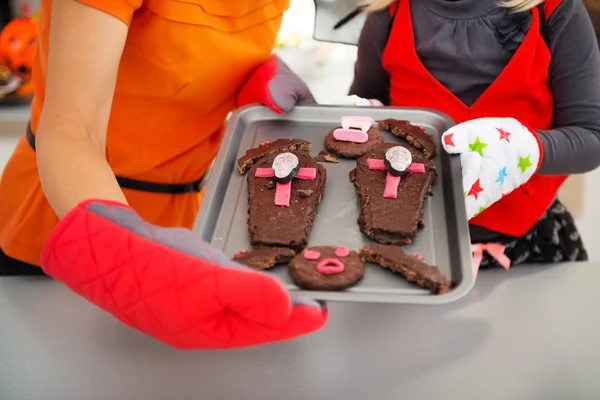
(497, 155)
(274, 85)
(169, 284)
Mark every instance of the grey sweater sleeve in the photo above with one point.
(371, 80)
(573, 146)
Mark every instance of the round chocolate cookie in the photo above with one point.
(326, 268)
(350, 149)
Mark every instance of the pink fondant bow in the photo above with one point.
(495, 250)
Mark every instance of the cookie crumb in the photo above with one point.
(305, 192)
(324, 156)
(269, 185)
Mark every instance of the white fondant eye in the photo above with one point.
(398, 159)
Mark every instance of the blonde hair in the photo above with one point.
(512, 5)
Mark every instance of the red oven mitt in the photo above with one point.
(169, 284)
(274, 85)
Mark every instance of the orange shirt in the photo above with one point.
(184, 62)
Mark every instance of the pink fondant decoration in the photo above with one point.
(363, 123)
(350, 135)
(391, 186)
(375, 164)
(330, 266)
(392, 182)
(307, 174)
(311, 255)
(342, 252)
(496, 250)
(283, 193)
(264, 173)
(263, 143)
(378, 165)
(416, 168)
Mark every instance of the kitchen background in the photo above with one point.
(327, 68)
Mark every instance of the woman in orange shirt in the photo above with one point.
(130, 99)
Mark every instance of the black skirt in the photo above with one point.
(554, 238)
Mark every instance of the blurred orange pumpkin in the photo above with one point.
(18, 45)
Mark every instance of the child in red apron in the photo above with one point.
(522, 82)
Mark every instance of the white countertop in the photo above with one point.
(527, 334)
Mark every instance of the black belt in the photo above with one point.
(134, 184)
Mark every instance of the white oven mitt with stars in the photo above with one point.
(497, 156)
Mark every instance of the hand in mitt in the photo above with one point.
(169, 284)
(497, 156)
(274, 85)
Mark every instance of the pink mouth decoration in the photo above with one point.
(330, 266)
(283, 191)
(311, 255)
(350, 135)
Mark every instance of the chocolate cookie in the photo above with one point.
(287, 224)
(413, 269)
(392, 206)
(346, 149)
(326, 268)
(264, 257)
(415, 135)
(252, 156)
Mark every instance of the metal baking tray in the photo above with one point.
(444, 241)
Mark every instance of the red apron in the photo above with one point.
(521, 91)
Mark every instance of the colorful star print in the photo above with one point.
(524, 163)
(501, 176)
(448, 140)
(503, 134)
(479, 211)
(478, 146)
(475, 189)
